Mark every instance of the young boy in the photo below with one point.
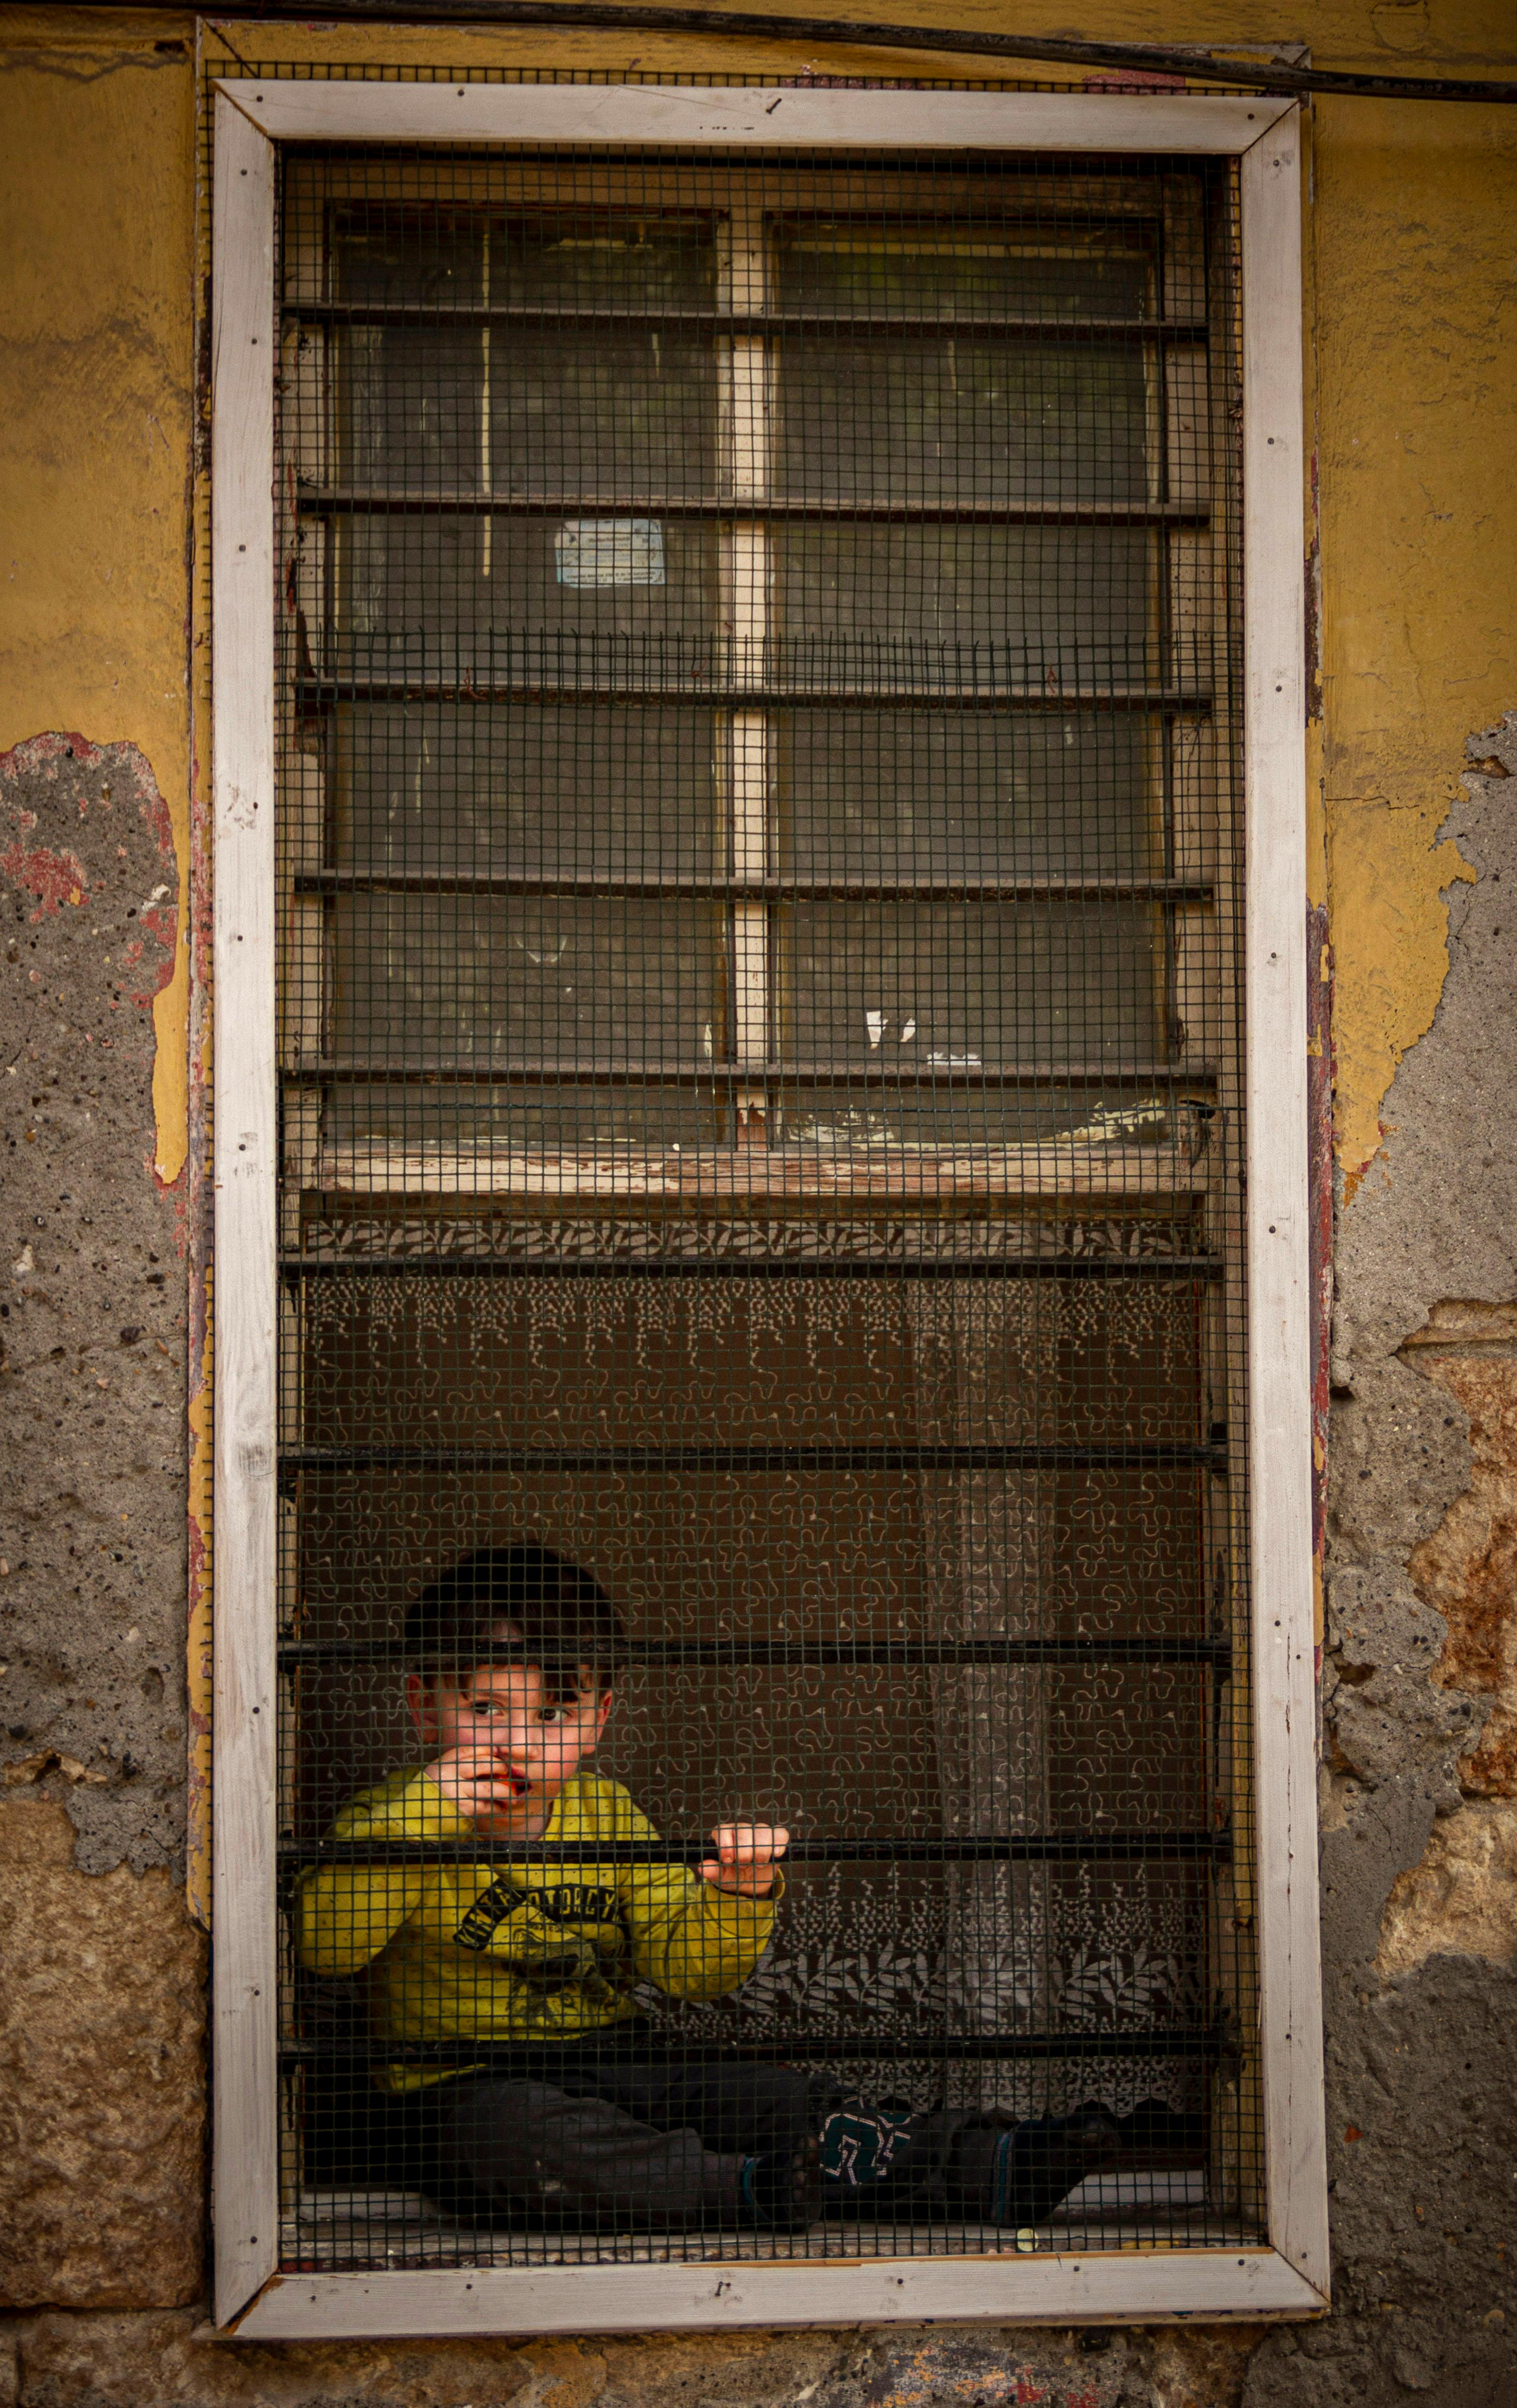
(541, 1903)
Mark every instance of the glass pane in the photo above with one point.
(537, 1119)
(439, 576)
(526, 409)
(961, 422)
(624, 409)
(621, 256)
(584, 790)
(934, 986)
(959, 271)
(441, 258)
(471, 981)
(410, 402)
(915, 794)
(427, 261)
(408, 397)
(621, 410)
(1048, 607)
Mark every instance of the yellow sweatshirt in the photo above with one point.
(526, 1950)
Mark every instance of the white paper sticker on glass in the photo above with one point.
(609, 551)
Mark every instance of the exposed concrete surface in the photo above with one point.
(102, 2076)
(1419, 1888)
(92, 1305)
(116, 2361)
(1422, 2145)
(1436, 1219)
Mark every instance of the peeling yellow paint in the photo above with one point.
(170, 1076)
(95, 176)
(1417, 427)
(1390, 938)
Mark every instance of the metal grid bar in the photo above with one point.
(569, 1070)
(1031, 1847)
(1172, 2041)
(1214, 1652)
(440, 502)
(960, 1267)
(504, 317)
(755, 890)
(629, 684)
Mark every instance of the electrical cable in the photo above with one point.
(1118, 57)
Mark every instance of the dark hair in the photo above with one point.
(515, 1604)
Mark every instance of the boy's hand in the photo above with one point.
(476, 1779)
(745, 1857)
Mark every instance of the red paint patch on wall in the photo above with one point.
(57, 784)
(54, 878)
(120, 777)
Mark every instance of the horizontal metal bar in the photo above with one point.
(415, 501)
(841, 1656)
(962, 1267)
(577, 1071)
(753, 1462)
(325, 689)
(803, 2044)
(1010, 1848)
(965, 327)
(717, 888)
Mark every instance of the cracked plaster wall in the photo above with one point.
(1413, 415)
(1419, 1702)
(92, 1306)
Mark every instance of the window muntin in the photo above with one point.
(996, 638)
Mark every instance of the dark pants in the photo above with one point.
(602, 2136)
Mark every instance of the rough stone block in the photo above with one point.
(155, 2361)
(1389, 1719)
(1468, 1568)
(1461, 1900)
(101, 2074)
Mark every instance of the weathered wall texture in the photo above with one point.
(113, 2361)
(101, 2075)
(91, 1304)
(1413, 415)
(1418, 1849)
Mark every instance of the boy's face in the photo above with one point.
(512, 1738)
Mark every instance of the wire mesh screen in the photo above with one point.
(763, 1615)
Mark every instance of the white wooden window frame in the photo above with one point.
(1289, 2276)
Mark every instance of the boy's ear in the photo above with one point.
(603, 1710)
(418, 1701)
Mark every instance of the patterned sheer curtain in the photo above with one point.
(1039, 1946)
(980, 1533)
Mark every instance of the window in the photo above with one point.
(756, 942)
